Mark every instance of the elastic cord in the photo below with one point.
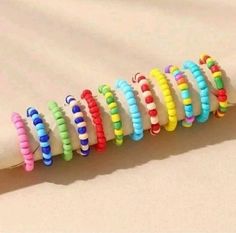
(203, 90)
(168, 99)
(24, 142)
(150, 103)
(80, 124)
(63, 130)
(185, 94)
(217, 75)
(105, 90)
(133, 109)
(97, 119)
(42, 135)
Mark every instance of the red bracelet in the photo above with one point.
(150, 104)
(97, 120)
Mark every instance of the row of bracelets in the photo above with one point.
(134, 111)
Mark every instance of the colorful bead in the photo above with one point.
(23, 142)
(133, 109)
(150, 104)
(97, 120)
(41, 132)
(114, 113)
(63, 130)
(81, 124)
(185, 94)
(217, 75)
(168, 99)
(203, 88)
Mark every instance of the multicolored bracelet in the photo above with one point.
(217, 75)
(42, 135)
(97, 119)
(150, 103)
(105, 90)
(168, 99)
(63, 130)
(185, 94)
(203, 90)
(81, 125)
(24, 142)
(133, 109)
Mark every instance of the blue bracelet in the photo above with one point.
(42, 135)
(81, 125)
(133, 109)
(203, 88)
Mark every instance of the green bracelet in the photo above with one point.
(105, 90)
(63, 130)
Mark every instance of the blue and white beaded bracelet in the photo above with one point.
(133, 109)
(203, 88)
(81, 125)
(42, 135)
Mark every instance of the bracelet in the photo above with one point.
(24, 142)
(168, 99)
(150, 103)
(63, 130)
(97, 119)
(133, 109)
(105, 90)
(81, 125)
(42, 135)
(221, 92)
(203, 88)
(185, 94)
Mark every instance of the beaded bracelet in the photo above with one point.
(63, 130)
(114, 112)
(185, 94)
(133, 109)
(217, 75)
(203, 88)
(97, 119)
(24, 142)
(150, 103)
(168, 99)
(42, 135)
(81, 125)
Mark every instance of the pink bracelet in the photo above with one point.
(24, 142)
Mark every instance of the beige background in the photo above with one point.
(180, 182)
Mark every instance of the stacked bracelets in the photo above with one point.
(221, 92)
(203, 90)
(133, 108)
(114, 112)
(97, 120)
(168, 99)
(63, 130)
(42, 135)
(185, 94)
(150, 104)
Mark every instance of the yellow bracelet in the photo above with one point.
(168, 99)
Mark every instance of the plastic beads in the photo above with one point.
(217, 75)
(168, 99)
(24, 141)
(97, 120)
(185, 94)
(203, 88)
(114, 112)
(81, 125)
(150, 104)
(42, 135)
(63, 130)
(133, 109)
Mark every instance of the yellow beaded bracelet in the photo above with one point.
(168, 99)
